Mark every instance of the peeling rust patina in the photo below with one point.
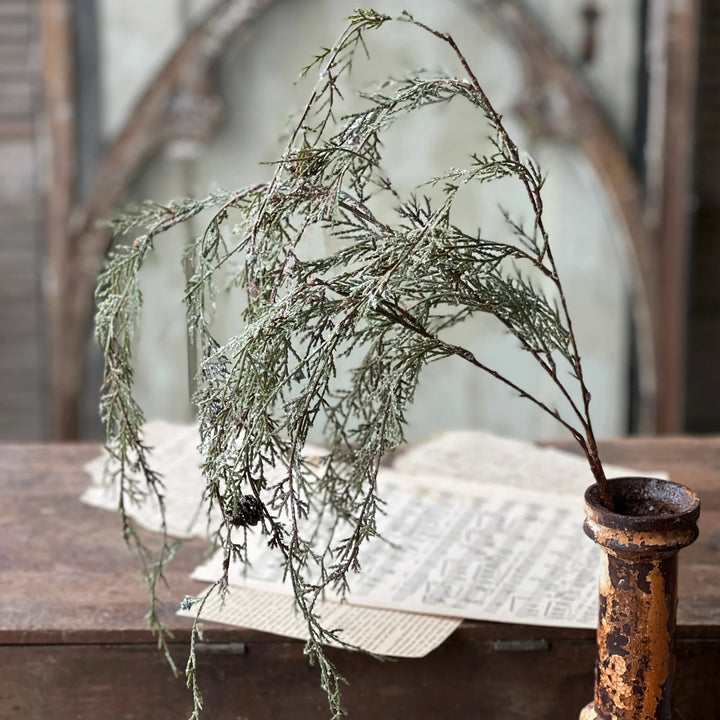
(635, 663)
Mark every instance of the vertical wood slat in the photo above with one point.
(22, 402)
(673, 235)
(703, 379)
(56, 35)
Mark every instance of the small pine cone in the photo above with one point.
(249, 511)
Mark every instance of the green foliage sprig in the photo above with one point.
(380, 305)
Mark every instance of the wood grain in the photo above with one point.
(73, 640)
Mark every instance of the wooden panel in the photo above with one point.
(40, 514)
(675, 222)
(23, 316)
(271, 680)
(13, 9)
(703, 378)
(15, 95)
(73, 638)
(15, 129)
(21, 254)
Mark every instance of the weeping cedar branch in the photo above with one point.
(380, 303)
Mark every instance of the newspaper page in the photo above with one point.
(384, 632)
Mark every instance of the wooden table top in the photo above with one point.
(66, 575)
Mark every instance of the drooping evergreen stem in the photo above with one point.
(587, 439)
(380, 303)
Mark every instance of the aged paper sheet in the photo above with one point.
(385, 632)
(175, 456)
(476, 527)
(471, 550)
(480, 457)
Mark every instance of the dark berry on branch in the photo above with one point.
(249, 512)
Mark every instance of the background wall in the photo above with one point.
(626, 41)
(256, 79)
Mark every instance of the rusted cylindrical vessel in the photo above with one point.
(653, 520)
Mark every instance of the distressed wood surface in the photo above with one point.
(464, 678)
(73, 635)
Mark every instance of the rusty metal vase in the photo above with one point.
(653, 520)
